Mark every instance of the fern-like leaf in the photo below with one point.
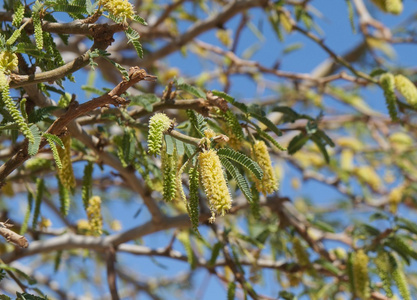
(242, 159)
(140, 20)
(33, 147)
(240, 180)
(297, 143)
(270, 139)
(51, 141)
(197, 121)
(195, 91)
(133, 37)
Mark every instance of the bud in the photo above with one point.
(213, 182)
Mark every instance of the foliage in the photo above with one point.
(279, 146)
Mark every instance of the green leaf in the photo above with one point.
(215, 253)
(293, 47)
(133, 37)
(321, 147)
(328, 266)
(25, 222)
(406, 224)
(271, 126)
(242, 159)
(169, 142)
(269, 138)
(195, 91)
(197, 121)
(144, 100)
(140, 20)
(240, 180)
(231, 290)
(297, 143)
(41, 114)
(34, 147)
(180, 147)
(40, 189)
(22, 274)
(223, 95)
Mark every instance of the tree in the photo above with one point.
(102, 127)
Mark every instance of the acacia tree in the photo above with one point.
(199, 164)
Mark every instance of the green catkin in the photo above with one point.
(40, 188)
(233, 124)
(193, 205)
(360, 274)
(384, 271)
(64, 198)
(407, 89)
(37, 163)
(19, 11)
(399, 278)
(86, 190)
(300, 253)
(57, 260)
(169, 175)
(11, 108)
(37, 26)
(157, 125)
(387, 82)
(184, 238)
(231, 290)
(25, 223)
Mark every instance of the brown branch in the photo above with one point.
(74, 111)
(111, 273)
(103, 37)
(230, 10)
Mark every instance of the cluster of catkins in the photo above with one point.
(210, 168)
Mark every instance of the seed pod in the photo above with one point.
(268, 184)
(213, 182)
(157, 125)
(406, 88)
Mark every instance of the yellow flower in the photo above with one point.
(213, 182)
(119, 8)
(406, 88)
(268, 184)
(8, 62)
(367, 175)
(390, 6)
(94, 215)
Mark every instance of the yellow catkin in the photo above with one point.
(395, 197)
(406, 88)
(213, 182)
(360, 274)
(8, 62)
(158, 124)
(367, 175)
(94, 215)
(268, 184)
(400, 141)
(119, 8)
(346, 159)
(83, 226)
(390, 6)
(66, 173)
